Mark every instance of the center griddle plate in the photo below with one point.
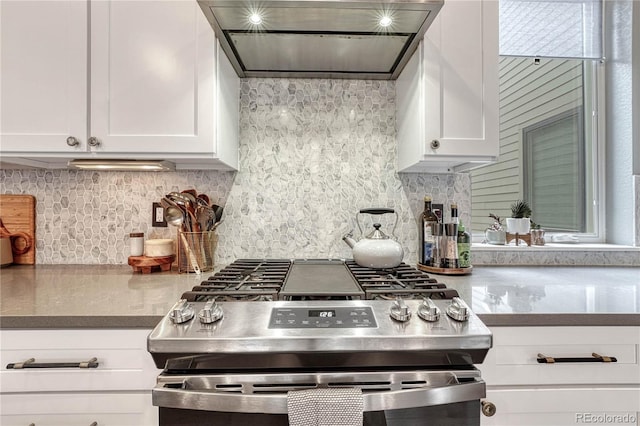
(320, 278)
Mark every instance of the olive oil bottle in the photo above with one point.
(464, 247)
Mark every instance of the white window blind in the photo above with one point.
(554, 171)
(551, 28)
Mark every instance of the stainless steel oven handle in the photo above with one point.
(207, 400)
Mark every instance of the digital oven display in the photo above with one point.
(322, 313)
(329, 317)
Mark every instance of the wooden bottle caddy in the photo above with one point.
(445, 271)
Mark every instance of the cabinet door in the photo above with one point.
(566, 406)
(447, 95)
(152, 78)
(78, 409)
(123, 360)
(43, 76)
(513, 359)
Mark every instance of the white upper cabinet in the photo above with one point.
(447, 95)
(158, 86)
(43, 76)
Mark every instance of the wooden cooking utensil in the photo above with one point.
(18, 213)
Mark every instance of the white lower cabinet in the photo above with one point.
(116, 392)
(563, 406)
(528, 393)
(78, 409)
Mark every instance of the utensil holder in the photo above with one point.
(198, 248)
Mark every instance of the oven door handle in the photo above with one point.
(207, 400)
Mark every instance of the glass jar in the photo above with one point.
(136, 243)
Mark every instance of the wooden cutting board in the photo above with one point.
(18, 214)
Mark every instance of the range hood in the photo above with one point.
(358, 39)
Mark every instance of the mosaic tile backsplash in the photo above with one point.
(312, 153)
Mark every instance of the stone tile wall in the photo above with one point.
(312, 153)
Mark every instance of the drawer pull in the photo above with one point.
(92, 424)
(31, 363)
(543, 359)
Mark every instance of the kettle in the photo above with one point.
(376, 250)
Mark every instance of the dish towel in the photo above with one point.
(325, 407)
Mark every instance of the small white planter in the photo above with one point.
(493, 236)
(518, 226)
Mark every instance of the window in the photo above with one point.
(554, 176)
(548, 117)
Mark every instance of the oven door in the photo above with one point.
(389, 397)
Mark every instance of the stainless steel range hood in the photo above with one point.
(320, 39)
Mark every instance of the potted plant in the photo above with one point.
(495, 234)
(519, 222)
(537, 234)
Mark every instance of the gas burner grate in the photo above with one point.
(403, 280)
(263, 279)
(200, 295)
(437, 293)
(243, 280)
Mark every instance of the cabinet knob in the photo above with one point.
(93, 141)
(435, 144)
(71, 141)
(488, 408)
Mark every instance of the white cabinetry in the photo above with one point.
(529, 393)
(147, 81)
(43, 76)
(117, 392)
(447, 95)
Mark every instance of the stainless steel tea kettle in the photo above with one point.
(376, 250)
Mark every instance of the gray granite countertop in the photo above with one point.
(87, 296)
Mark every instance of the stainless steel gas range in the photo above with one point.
(236, 347)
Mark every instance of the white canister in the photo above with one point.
(158, 248)
(136, 242)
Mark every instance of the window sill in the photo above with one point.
(555, 254)
(578, 247)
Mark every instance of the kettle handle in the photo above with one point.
(378, 210)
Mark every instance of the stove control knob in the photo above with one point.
(400, 311)
(428, 310)
(458, 310)
(181, 312)
(210, 313)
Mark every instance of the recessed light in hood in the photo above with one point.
(362, 39)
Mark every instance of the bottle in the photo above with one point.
(464, 247)
(428, 223)
(437, 252)
(451, 246)
(454, 214)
